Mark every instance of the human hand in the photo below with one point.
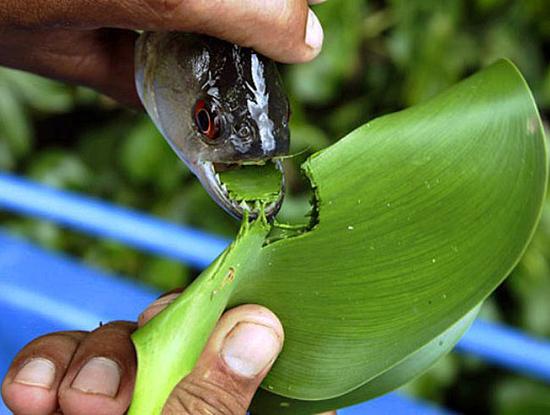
(92, 42)
(93, 373)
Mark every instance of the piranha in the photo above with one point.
(219, 106)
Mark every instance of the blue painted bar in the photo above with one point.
(56, 301)
(395, 404)
(42, 292)
(105, 220)
(508, 347)
(497, 344)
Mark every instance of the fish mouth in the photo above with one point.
(209, 175)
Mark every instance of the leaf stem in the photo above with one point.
(170, 344)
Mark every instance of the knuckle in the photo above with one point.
(60, 337)
(292, 18)
(57, 347)
(284, 15)
(18, 16)
(164, 6)
(205, 397)
(163, 11)
(289, 22)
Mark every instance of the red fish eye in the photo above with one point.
(206, 122)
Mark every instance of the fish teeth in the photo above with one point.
(244, 205)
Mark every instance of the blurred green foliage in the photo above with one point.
(379, 57)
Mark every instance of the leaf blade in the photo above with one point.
(417, 270)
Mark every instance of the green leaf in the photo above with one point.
(419, 216)
(195, 207)
(200, 306)
(59, 168)
(146, 158)
(15, 126)
(266, 403)
(253, 182)
(430, 46)
(165, 274)
(520, 396)
(7, 159)
(412, 234)
(40, 93)
(307, 137)
(320, 80)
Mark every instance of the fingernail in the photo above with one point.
(100, 376)
(249, 348)
(314, 31)
(37, 372)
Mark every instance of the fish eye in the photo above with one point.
(207, 120)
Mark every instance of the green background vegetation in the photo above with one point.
(379, 57)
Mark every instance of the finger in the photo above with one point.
(31, 384)
(237, 357)
(101, 376)
(101, 59)
(286, 30)
(156, 307)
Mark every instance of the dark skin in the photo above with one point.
(91, 43)
(212, 386)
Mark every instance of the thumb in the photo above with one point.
(237, 357)
(285, 30)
